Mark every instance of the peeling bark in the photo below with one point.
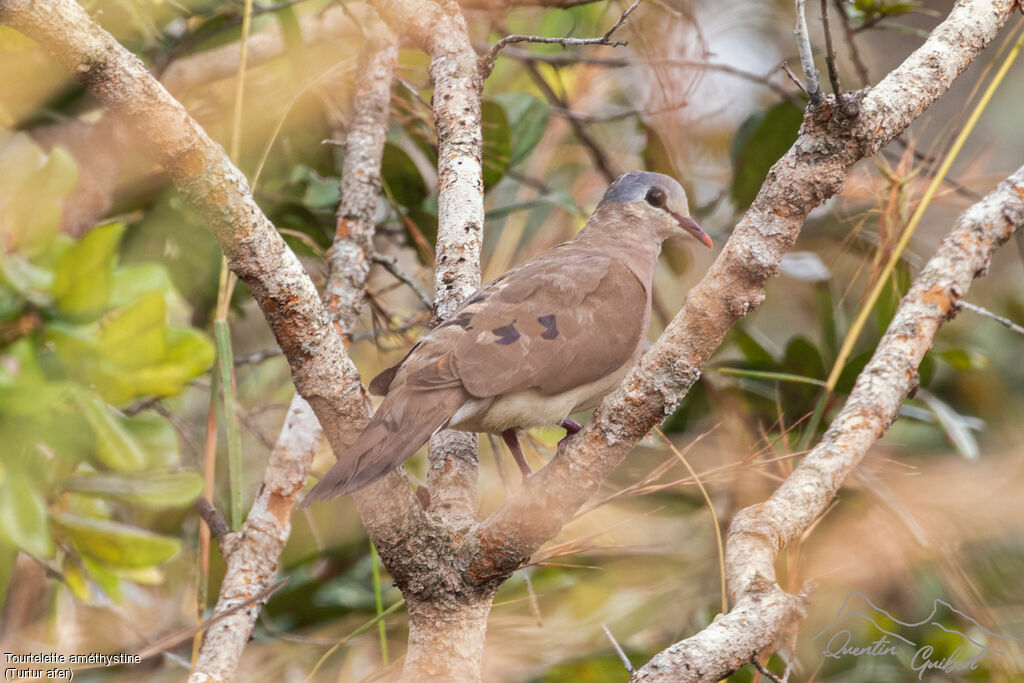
(762, 610)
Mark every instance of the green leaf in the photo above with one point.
(116, 448)
(895, 288)
(402, 178)
(157, 438)
(497, 153)
(765, 374)
(964, 359)
(753, 349)
(953, 424)
(130, 282)
(136, 337)
(761, 140)
(33, 215)
(23, 514)
(528, 119)
(852, 369)
(82, 279)
(146, 489)
(321, 193)
(28, 280)
(115, 544)
(188, 354)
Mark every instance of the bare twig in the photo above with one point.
(214, 520)
(764, 670)
(830, 52)
(851, 44)
(486, 62)
(803, 42)
(391, 265)
(596, 152)
(618, 650)
(1005, 322)
(792, 76)
(568, 59)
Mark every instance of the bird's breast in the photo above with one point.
(530, 408)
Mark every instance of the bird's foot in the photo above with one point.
(570, 426)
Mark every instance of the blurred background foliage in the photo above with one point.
(108, 283)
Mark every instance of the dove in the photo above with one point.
(543, 341)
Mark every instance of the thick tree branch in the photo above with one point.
(813, 170)
(352, 252)
(252, 556)
(440, 31)
(758, 533)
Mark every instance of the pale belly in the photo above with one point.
(529, 408)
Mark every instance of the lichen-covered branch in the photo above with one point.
(351, 254)
(831, 140)
(439, 29)
(758, 533)
(253, 554)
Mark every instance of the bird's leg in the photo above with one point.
(570, 426)
(509, 435)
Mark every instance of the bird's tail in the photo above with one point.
(404, 421)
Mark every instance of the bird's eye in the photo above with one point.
(656, 197)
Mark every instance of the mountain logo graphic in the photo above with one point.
(903, 640)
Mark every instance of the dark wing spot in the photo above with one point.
(506, 334)
(462, 320)
(550, 326)
(475, 300)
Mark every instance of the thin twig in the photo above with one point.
(391, 265)
(858, 62)
(597, 154)
(211, 515)
(764, 670)
(830, 52)
(618, 650)
(486, 62)
(803, 43)
(792, 76)
(1005, 322)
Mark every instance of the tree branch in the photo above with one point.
(813, 170)
(253, 555)
(758, 533)
(486, 61)
(441, 32)
(803, 42)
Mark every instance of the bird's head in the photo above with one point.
(659, 199)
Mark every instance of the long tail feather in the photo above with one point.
(404, 422)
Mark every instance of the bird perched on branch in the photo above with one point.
(545, 340)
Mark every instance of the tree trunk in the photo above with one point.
(446, 638)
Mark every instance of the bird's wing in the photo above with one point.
(553, 324)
